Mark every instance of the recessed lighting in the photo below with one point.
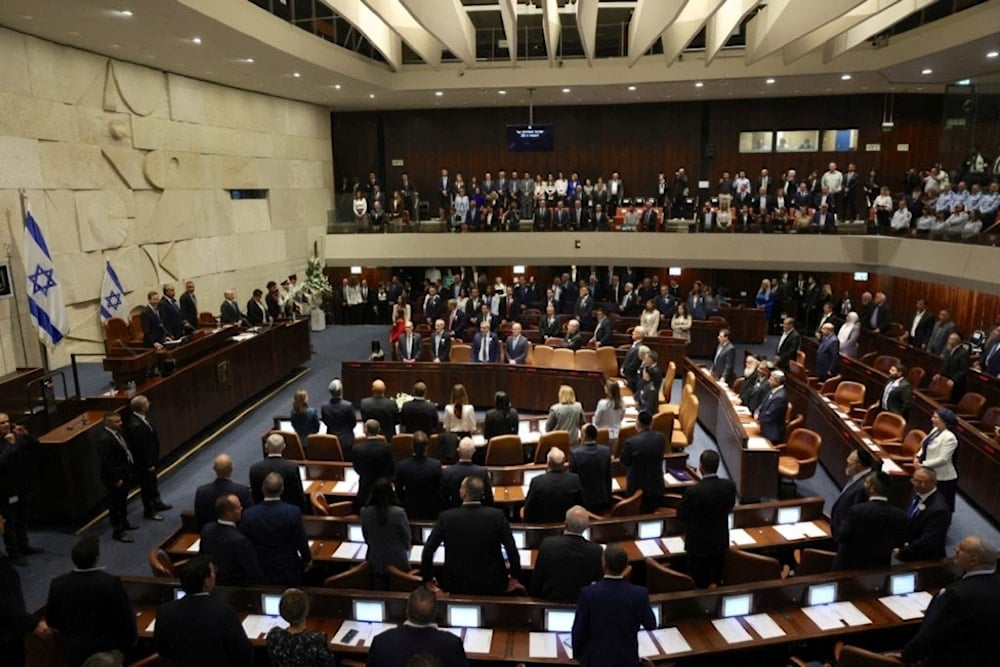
(699, 84)
(993, 54)
(501, 92)
(963, 82)
(438, 93)
(196, 40)
(248, 61)
(845, 77)
(565, 90)
(769, 81)
(116, 46)
(927, 70)
(125, 12)
(631, 87)
(296, 74)
(336, 86)
(371, 95)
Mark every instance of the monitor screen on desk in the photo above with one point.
(789, 515)
(821, 594)
(269, 604)
(425, 533)
(650, 529)
(902, 584)
(530, 475)
(465, 616)
(586, 535)
(369, 611)
(731, 521)
(303, 473)
(736, 605)
(520, 538)
(355, 533)
(559, 620)
(657, 611)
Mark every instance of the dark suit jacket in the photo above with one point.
(492, 347)
(828, 357)
(419, 415)
(959, 627)
(923, 330)
(868, 534)
(373, 458)
(518, 352)
(292, 493)
(153, 330)
(852, 494)
(189, 310)
(956, 364)
(927, 530)
(608, 616)
(650, 390)
(991, 366)
(473, 562)
(276, 530)
(233, 554)
(206, 495)
(724, 362)
(114, 462)
(592, 463)
(92, 613)
(144, 443)
(444, 347)
(573, 341)
(451, 483)
(338, 415)
(771, 415)
(416, 351)
(630, 366)
(170, 315)
(898, 401)
(498, 422)
(229, 313)
(201, 631)
(705, 514)
(788, 350)
(603, 332)
(564, 565)
(395, 647)
(383, 410)
(550, 495)
(418, 485)
(642, 454)
(881, 318)
(256, 312)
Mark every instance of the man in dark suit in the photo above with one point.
(154, 334)
(771, 412)
(550, 326)
(89, 607)
(550, 495)
(474, 533)
(440, 343)
(942, 328)
(603, 332)
(959, 626)
(696, 303)
(583, 307)
(880, 316)
(921, 325)
(592, 463)
(223, 485)
(409, 346)
(418, 481)
(419, 414)
(144, 444)
(704, 511)
(870, 530)
(189, 306)
(382, 409)
(990, 360)
(725, 358)
(568, 562)
(642, 454)
(897, 393)
(16, 446)
(516, 345)
(485, 346)
(452, 476)
(15, 620)
(828, 353)
(573, 340)
(632, 362)
(116, 469)
(274, 461)
(201, 629)
(419, 636)
(928, 517)
(373, 458)
(229, 310)
(278, 535)
(955, 364)
(609, 616)
(788, 344)
(232, 553)
(257, 314)
(650, 383)
(859, 466)
(170, 313)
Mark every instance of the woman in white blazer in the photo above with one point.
(938, 452)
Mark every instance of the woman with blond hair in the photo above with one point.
(305, 420)
(566, 415)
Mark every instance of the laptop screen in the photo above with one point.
(370, 611)
(269, 603)
(789, 515)
(559, 620)
(650, 529)
(902, 584)
(821, 594)
(736, 605)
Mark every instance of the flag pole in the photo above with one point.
(41, 346)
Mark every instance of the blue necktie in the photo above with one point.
(911, 511)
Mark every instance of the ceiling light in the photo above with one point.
(993, 54)
(699, 84)
(196, 40)
(248, 61)
(565, 90)
(125, 12)
(336, 86)
(438, 93)
(927, 70)
(769, 81)
(631, 87)
(371, 95)
(845, 77)
(296, 74)
(964, 82)
(501, 92)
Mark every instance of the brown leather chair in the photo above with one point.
(662, 579)
(849, 395)
(461, 353)
(293, 445)
(630, 506)
(586, 360)
(206, 319)
(323, 447)
(970, 406)
(358, 576)
(563, 358)
(688, 418)
(400, 580)
(852, 656)
(321, 507)
(603, 436)
(743, 567)
(402, 446)
(990, 420)
(869, 358)
(664, 423)
(543, 356)
(884, 362)
(549, 440)
(887, 427)
(939, 388)
(607, 362)
(668, 382)
(813, 561)
(795, 422)
(903, 452)
(160, 564)
(830, 385)
(916, 376)
(504, 450)
(675, 408)
(800, 455)
(624, 433)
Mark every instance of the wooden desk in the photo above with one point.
(704, 335)
(754, 471)
(746, 325)
(529, 387)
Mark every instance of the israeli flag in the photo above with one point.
(45, 300)
(112, 295)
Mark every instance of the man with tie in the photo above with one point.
(849, 194)
(632, 361)
(771, 413)
(649, 217)
(826, 316)
(897, 393)
(516, 345)
(550, 326)
(189, 306)
(927, 519)
(116, 466)
(870, 530)
(230, 310)
(257, 314)
(828, 353)
(696, 303)
(956, 360)
(788, 344)
(859, 464)
(603, 333)
(878, 320)
(704, 512)
(456, 319)
(410, 346)
(154, 334)
(725, 358)
(170, 313)
(485, 347)
(144, 443)
(440, 343)
(920, 327)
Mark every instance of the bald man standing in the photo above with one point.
(551, 495)
(222, 485)
(382, 409)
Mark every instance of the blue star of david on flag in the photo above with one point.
(113, 302)
(37, 284)
(45, 300)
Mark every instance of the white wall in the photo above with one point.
(132, 163)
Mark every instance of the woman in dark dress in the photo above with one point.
(387, 533)
(502, 419)
(305, 420)
(295, 646)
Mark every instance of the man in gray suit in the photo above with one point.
(725, 358)
(943, 328)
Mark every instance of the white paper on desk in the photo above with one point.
(628, 401)
(854, 427)
(615, 486)
(810, 529)
(674, 545)
(740, 537)
(417, 552)
(671, 641)
(478, 640)
(764, 626)
(756, 442)
(152, 626)
(647, 647)
(631, 412)
(256, 625)
(731, 630)
(351, 475)
(889, 466)
(742, 410)
(195, 546)
(790, 531)
(347, 550)
(824, 617)
(851, 614)
(649, 547)
(365, 632)
(312, 543)
(670, 479)
(542, 645)
(344, 487)
(907, 607)
(478, 440)
(874, 447)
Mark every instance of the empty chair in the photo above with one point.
(664, 423)
(869, 358)
(402, 446)
(800, 455)
(543, 356)
(743, 567)
(461, 353)
(903, 452)
(607, 362)
(990, 420)
(662, 579)
(323, 447)
(688, 418)
(795, 422)
(800, 356)
(321, 507)
(813, 561)
(554, 341)
(798, 371)
(630, 506)
(916, 376)
(504, 450)
(549, 440)
(884, 362)
(206, 319)
(830, 385)
(852, 656)
(603, 436)
(668, 382)
(358, 576)
(849, 395)
(160, 564)
(939, 388)
(293, 445)
(624, 433)
(887, 427)
(400, 580)
(970, 406)
(563, 358)
(586, 360)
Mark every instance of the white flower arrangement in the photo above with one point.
(402, 398)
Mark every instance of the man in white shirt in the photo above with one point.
(833, 178)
